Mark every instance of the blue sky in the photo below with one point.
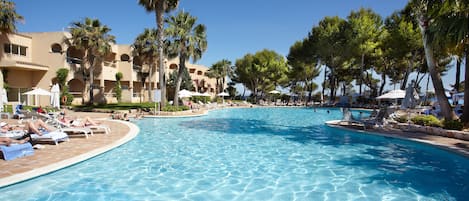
(234, 28)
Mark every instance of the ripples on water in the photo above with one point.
(256, 154)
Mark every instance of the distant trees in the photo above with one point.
(261, 72)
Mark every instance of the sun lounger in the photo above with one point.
(16, 150)
(99, 129)
(15, 134)
(53, 136)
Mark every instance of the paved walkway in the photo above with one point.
(79, 148)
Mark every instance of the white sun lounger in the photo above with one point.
(54, 136)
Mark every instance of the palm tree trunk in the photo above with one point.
(160, 32)
(458, 74)
(182, 67)
(150, 73)
(361, 75)
(446, 111)
(465, 115)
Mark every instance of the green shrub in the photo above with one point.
(453, 125)
(172, 108)
(427, 120)
(401, 119)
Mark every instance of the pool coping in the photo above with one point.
(20, 177)
(396, 135)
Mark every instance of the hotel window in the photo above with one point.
(7, 48)
(14, 49)
(199, 72)
(192, 70)
(22, 51)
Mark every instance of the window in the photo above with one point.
(192, 70)
(22, 51)
(56, 48)
(7, 48)
(199, 72)
(15, 49)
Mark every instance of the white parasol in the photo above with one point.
(55, 96)
(38, 92)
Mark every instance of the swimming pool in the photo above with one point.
(256, 154)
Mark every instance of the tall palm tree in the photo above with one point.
(145, 47)
(93, 38)
(8, 19)
(187, 40)
(160, 7)
(422, 10)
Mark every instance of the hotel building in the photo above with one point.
(31, 60)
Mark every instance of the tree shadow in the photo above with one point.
(400, 163)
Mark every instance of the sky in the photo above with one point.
(234, 28)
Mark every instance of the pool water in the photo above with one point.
(256, 154)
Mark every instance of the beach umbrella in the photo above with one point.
(223, 94)
(196, 94)
(394, 94)
(38, 92)
(55, 96)
(3, 99)
(206, 94)
(184, 94)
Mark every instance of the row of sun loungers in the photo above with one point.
(62, 133)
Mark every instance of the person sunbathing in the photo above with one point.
(8, 141)
(87, 121)
(5, 127)
(37, 127)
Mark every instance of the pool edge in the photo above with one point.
(20, 177)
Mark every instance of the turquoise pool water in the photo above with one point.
(256, 154)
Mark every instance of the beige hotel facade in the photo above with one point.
(31, 60)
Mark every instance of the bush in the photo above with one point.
(401, 119)
(427, 120)
(452, 125)
(172, 108)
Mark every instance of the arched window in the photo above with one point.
(56, 48)
(125, 57)
(173, 66)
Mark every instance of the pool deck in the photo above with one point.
(451, 144)
(55, 157)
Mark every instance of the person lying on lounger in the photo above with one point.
(8, 141)
(37, 127)
(87, 121)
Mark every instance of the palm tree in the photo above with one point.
(93, 38)
(160, 7)
(220, 70)
(8, 19)
(422, 10)
(187, 40)
(145, 47)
